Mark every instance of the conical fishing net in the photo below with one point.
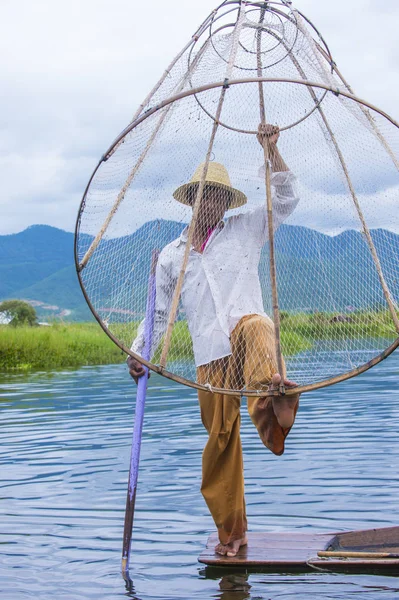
(298, 225)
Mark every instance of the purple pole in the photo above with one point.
(138, 420)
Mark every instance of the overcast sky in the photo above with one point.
(75, 71)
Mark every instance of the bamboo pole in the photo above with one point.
(197, 203)
(269, 203)
(366, 230)
(255, 393)
(138, 422)
(362, 108)
(328, 58)
(211, 86)
(192, 41)
(166, 74)
(137, 166)
(302, 388)
(343, 554)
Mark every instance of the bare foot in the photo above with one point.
(231, 549)
(284, 406)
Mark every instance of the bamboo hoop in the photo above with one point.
(232, 82)
(242, 392)
(253, 132)
(289, 17)
(269, 204)
(288, 5)
(93, 246)
(249, 24)
(157, 369)
(191, 229)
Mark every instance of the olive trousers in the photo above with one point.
(250, 366)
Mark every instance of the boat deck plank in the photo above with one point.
(292, 551)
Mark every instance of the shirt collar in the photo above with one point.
(183, 236)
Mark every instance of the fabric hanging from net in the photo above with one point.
(193, 154)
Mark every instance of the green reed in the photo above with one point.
(78, 344)
(57, 346)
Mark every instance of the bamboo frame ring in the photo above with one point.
(248, 131)
(157, 369)
(280, 14)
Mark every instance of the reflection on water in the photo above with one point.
(64, 458)
(234, 586)
(332, 357)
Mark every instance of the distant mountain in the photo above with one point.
(37, 264)
(31, 255)
(316, 272)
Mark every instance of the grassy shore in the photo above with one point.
(79, 344)
(58, 346)
(325, 326)
(181, 347)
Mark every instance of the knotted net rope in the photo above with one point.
(333, 191)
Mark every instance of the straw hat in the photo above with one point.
(218, 177)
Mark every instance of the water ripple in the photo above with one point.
(64, 458)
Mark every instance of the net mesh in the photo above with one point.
(334, 194)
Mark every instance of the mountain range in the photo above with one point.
(37, 265)
(316, 271)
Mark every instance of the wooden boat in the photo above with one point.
(371, 551)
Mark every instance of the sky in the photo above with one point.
(74, 72)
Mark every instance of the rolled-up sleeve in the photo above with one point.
(284, 201)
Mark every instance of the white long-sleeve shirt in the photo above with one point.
(221, 285)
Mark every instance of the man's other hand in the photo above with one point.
(136, 369)
(268, 134)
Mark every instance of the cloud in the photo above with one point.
(334, 214)
(78, 70)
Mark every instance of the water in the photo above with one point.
(64, 457)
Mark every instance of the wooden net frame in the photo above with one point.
(162, 109)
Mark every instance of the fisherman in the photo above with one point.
(233, 338)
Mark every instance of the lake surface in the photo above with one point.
(64, 455)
